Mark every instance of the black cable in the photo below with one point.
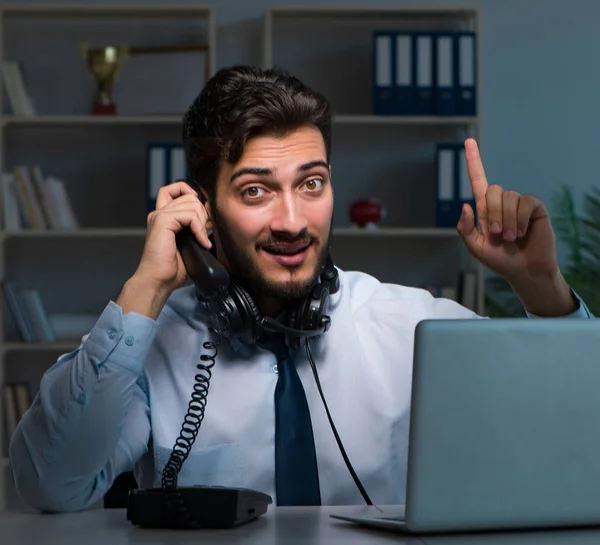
(189, 431)
(335, 433)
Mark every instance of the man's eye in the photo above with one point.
(314, 184)
(253, 192)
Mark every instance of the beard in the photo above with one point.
(245, 270)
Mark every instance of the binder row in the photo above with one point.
(424, 73)
(165, 164)
(453, 186)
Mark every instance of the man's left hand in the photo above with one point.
(515, 239)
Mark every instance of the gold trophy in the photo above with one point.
(105, 63)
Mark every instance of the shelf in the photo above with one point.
(117, 10)
(141, 232)
(75, 233)
(406, 232)
(63, 346)
(403, 120)
(362, 12)
(342, 119)
(93, 120)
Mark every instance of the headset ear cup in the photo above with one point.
(247, 316)
(319, 305)
(329, 275)
(309, 313)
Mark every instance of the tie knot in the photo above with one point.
(275, 342)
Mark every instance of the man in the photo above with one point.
(258, 150)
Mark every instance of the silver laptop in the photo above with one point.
(504, 429)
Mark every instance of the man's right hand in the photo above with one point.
(161, 269)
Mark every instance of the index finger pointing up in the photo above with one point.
(479, 182)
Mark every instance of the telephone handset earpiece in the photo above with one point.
(208, 274)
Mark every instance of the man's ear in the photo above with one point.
(206, 202)
(202, 195)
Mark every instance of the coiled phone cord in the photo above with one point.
(189, 431)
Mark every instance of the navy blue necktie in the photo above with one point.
(296, 472)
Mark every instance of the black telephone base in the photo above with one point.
(209, 506)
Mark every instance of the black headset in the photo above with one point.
(236, 312)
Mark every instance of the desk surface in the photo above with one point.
(280, 525)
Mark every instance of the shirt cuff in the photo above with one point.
(126, 339)
(581, 312)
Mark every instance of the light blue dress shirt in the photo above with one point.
(117, 402)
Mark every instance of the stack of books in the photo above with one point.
(32, 201)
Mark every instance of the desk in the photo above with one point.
(279, 526)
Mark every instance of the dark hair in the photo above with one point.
(239, 103)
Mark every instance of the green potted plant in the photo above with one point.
(581, 268)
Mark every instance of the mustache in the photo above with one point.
(277, 239)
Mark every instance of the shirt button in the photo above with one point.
(129, 340)
(112, 334)
(275, 369)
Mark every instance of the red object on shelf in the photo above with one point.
(365, 211)
(104, 109)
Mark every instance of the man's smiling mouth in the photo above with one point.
(286, 248)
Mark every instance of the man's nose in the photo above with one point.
(288, 215)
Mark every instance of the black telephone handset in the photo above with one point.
(210, 277)
(200, 506)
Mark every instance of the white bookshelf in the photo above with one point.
(100, 158)
(337, 61)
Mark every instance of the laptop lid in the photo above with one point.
(505, 424)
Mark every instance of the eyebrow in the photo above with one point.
(256, 171)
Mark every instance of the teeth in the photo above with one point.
(283, 252)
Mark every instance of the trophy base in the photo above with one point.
(104, 109)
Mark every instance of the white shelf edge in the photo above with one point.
(403, 120)
(93, 119)
(38, 347)
(405, 232)
(39, 8)
(341, 119)
(141, 232)
(337, 11)
(75, 233)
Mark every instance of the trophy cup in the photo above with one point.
(104, 63)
